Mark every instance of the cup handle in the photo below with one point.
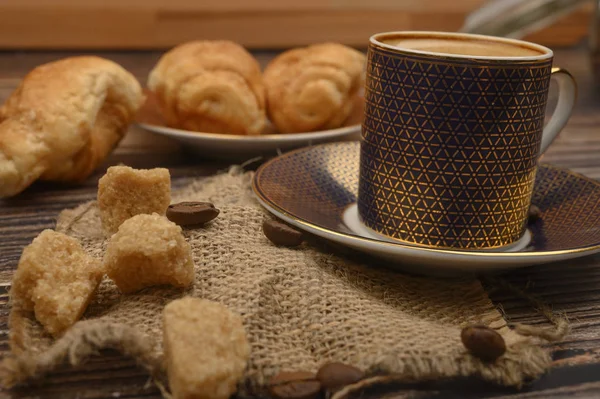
(567, 90)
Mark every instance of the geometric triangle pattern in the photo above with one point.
(449, 148)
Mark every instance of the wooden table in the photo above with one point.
(571, 287)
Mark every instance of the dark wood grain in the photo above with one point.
(571, 287)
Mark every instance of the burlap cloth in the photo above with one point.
(301, 307)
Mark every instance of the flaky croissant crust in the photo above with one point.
(314, 87)
(63, 120)
(210, 86)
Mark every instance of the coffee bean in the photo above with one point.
(534, 213)
(334, 376)
(287, 376)
(192, 213)
(483, 342)
(295, 385)
(281, 234)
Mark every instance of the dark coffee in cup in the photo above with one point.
(464, 46)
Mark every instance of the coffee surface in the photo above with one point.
(463, 47)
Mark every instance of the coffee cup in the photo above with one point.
(452, 134)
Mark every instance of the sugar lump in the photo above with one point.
(149, 250)
(56, 279)
(124, 192)
(206, 349)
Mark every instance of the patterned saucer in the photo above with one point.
(315, 189)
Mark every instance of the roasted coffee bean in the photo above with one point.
(334, 376)
(295, 385)
(192, 213)
(534, 213)
(287, 376)
(483, 342)
(281, 234)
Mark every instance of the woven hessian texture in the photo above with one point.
(301, 307)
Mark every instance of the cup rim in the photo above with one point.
(376, 40)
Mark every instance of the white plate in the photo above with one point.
(241, 148)
(225, 146)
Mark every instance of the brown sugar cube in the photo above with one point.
(206, 349)
(55, 279)
(124, 192)
(149, 250)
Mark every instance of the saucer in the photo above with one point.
(315, 189)
(240, 147)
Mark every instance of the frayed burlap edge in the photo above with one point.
(87, 338)
(539, 359)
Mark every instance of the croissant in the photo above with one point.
(210, 86)
(63, 120)
(314, 87)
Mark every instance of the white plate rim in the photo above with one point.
(284, 138)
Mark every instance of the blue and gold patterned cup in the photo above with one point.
(453, 129)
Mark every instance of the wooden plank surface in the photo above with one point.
(572, 287)
(139, 24)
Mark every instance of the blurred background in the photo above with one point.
(135, 33)
(271, 24)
